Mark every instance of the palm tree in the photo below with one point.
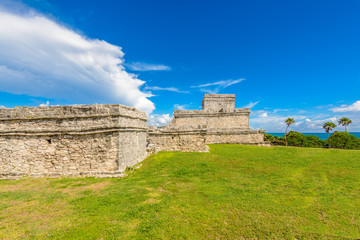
(329, 126)
(344, 122)
(288, 122)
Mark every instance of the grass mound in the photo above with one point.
(234, 192)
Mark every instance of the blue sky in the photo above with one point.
(281, 58)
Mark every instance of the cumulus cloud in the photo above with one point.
(171, 89)
(274, 122)
(2, 107)
(251, 104)
(308, 125)
(140, 66)
(42, 58)
(159, 120)
(355, 107)
(45, 104)
(218, 85)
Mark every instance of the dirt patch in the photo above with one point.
(25, 185)
(151, 201)
(153, 194)
(95, 187)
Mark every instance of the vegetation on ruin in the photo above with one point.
(233, 192)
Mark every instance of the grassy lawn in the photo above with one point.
(234, 192)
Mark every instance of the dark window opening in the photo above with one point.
(48, 140)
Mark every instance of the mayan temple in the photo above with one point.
(217, 122)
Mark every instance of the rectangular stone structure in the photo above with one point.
(218, 122)
(94, 140)
(218, 103)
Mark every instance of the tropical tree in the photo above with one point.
(345, 122)
(288, 123)
(329, 126)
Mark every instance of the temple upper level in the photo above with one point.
(218, 112)
(218, 103)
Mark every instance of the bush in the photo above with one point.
(344, 140)
(314, 141)
(295, 139)
(300, 140)
(275, 140)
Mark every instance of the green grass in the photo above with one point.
(234, 192)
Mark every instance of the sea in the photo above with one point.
(320, 135)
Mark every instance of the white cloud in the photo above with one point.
(159, 120)
(355, 107)
(171, 89)
(281, 110)
(273, 122)
(140, 66)
(222, 83)
(263, 115)
(2, 107)
(219, 85)
(308, 125)
(41, 58)
(251, 104)
(180, 107)
(324, 106)
(45, 104)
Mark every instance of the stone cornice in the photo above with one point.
(71, 112)
(71, 117)
(201, 113)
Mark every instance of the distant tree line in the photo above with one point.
(343, 140)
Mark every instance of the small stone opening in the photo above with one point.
(49, 140)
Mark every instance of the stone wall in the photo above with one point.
(178, 139)
(239, 118)
(195, 139)
(71, 140)
(239, 136)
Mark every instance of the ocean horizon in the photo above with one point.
(320, 135)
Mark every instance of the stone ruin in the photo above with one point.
(98, 140)
(105, 139)
(218, 122)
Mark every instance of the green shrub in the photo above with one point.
(295, 139)
(344, 140)
(300, 140)
(275, 140)
(313, 141)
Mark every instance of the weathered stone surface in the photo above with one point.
(218, 122)
(187, 139)
(90, 140)
(218, 103)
